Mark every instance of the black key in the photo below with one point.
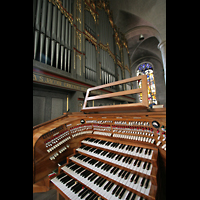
(149, 151)
(142, 182)
(65, 179)
(129, 195)
(81, 157)
(123, 174)
(86, 159)
(138, 164)
(99, 165)
(74, 167)
(87, 174)
(115, 171)
(70, 183)
(136, 179)
(129, 162)
(113, 155)
(85, 193)
(93, 178)
(144, 166)
(135, 162)
(70, 164)
(122, 193)
(109, 187)
(118, 191)
(141, 150)
(133, 197)
(107, 167)
(93, 197)
(129, 147)
(82, 146)
(113, 144)
(73, 188)
(79, 170)
(117, 157)
(102, 182)
(147, 183)
(61, 175)
(112, 170)
(120, 158)
(123, 146)
(89, 196)
(89, 177)
(94, 161)
(132, 149)
(148, 166)
(97, 180)
(92, 149)
(146, 150)
(137, 149)
(132, 178)
(124, 159)
(115, 189)
(107, 184)
(120, 173)
(78, 189)
(84, 190)
(107, 143)
(76, 155)
(117, 145)
(126, 176)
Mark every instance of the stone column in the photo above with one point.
(162, 47)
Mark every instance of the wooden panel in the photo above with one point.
(117, 82)
(132, 106)
(115, 94)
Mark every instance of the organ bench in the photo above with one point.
(102, 154)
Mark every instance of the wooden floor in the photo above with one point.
(50, 195)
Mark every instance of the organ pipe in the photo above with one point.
(52, 27)
(38, 11)
(43, 20)
(49, 16)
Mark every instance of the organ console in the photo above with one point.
(118, 154)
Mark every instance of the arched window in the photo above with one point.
(147, 68)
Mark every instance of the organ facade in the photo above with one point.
(76, 40)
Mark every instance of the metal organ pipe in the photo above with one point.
(62, 43)
(48, 30)
(69, 52)
(38, 11)
(43, 24)
(53, 35)
(58, 37)
(37, 26)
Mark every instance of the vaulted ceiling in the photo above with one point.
(136, 17)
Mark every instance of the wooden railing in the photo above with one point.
(131, 106)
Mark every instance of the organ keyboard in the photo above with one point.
(113, 155)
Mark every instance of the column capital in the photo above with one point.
(161, 44)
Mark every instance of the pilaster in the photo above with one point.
(162, 47)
